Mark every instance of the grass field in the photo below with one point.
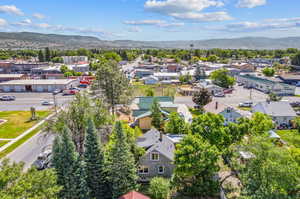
(292, 137)
(19, 142)
(158, 90)
(18, 122)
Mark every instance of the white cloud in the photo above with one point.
(159, 23)
(188, 9)
(250, 3)
(268, 24)
(180, 6)
(199, 17)
(10, 9)
(144, 22)
(38, 15)
(3, 22)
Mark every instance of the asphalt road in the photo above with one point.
(24, 101)
(29, 151)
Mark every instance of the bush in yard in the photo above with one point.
(159, 188)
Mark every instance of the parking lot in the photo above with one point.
(24, 101)
(238, 95)
(241, 94)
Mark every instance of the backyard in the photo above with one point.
(140, 89)
(292, 137)
(18, 122)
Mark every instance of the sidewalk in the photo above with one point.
(25, 133)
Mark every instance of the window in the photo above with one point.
(161, 169)
(154, 156)
(143, 170)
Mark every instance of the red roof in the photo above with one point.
(134, 195)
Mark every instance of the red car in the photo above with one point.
(228, 91)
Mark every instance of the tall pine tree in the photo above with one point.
(81, 189)
(47, 54)
(65, 162)
(41, 56)
(123, 174)
(95, 164)
(157, 118)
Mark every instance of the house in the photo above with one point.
(212, 88)
(166, 76)
(229, 113)
(244, 67)
(159, 155)
(39, 85)
(281, 112)
(173, 68)
(150, 80)
(266, 85)
(140, 73)
(133, 195)
(141, 110)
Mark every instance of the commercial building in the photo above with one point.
(32, 85)
(8, 77)
(74, 59)
(266, 85)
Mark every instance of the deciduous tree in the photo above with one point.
(196, 166)
(159, 188)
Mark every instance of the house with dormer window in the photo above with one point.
(159, 156)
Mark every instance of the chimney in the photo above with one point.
(216, 105)
(160, 136)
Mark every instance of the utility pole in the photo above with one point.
(250, 93)
(54, 101)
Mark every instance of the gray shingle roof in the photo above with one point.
(151, 139)
(275, 109)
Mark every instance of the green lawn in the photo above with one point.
(18, 122)
(159, 90)
(3, 142)
(195, 112)
(19, 142)
(292, 137)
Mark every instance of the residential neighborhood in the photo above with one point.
(152, 99)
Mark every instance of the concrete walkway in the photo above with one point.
(25, 133)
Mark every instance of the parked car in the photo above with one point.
(228, 91)
(56, 91)
(240, 84)
(82, 85)
(70, 91)
(7, 98)
(43, 160)
(47, 103)
(219, 94)
(246, 104)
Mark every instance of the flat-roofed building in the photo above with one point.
(40, 85)
(8, 77)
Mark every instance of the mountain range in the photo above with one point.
(31, 40)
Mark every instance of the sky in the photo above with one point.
(153, 20)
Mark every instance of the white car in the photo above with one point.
(47, 103)
(246, 104)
